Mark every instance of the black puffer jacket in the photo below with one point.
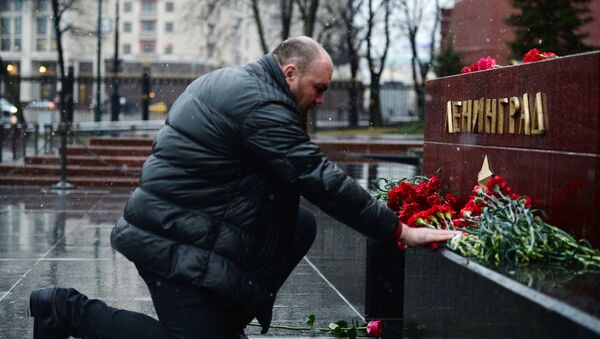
(219, 195)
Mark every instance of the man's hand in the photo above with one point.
(416, 236)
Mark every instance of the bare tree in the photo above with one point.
(352, 44)
(413, 20)
(376, 56)
(308, 11)
(207, 16)
(287, 14)
(259, 26)
(59, 7)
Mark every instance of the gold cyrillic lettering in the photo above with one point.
(502, 104)
(456, 115)
(467, 106)
(525, 121)
(514, 110)
(478, 108)
(449, 117)
(537, 121)
(490, 115)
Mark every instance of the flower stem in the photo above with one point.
(304, 328)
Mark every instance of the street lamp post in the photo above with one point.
(97, 111)
(115, 81)
(66, 111)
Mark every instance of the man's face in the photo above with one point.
(308, 87)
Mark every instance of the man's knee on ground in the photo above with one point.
(307, 225)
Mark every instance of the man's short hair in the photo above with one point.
(300, 51)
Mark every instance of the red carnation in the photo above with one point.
(465, 69)
(433, 199)
(433, 183)
(450, 199)
(535, 55)
(394, 199)
(531, 56)
(374, 328)
(486, 63)
(527, 202)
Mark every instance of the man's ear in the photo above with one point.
(290, 72)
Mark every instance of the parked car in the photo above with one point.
(158, 107)
(126, 106)
(41, 105)
(9, 111)
(42, 112)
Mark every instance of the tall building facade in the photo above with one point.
(176, 38)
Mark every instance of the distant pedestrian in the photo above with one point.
(215, 226)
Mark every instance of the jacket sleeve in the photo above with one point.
(273, 138)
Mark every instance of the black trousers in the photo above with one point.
(185, 310)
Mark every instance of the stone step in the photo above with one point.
(328, 146)
(83, 160)
(109, 150)
(39, 170)
(79, 181)
(145, 142)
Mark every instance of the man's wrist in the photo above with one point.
(397, 232)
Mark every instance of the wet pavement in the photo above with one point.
(48, 239)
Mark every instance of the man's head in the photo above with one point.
(307, 69)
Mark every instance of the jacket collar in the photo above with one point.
(271, 67)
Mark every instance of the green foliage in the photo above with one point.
(447, 62)
(383, 185)
(508, 232)
(310, 320)
(413, 127)
(549, 25)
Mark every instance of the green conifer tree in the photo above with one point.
(549, 25)
(447, 62)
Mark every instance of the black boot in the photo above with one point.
(46, 323)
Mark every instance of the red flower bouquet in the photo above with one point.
(499, 226)
(419, 203)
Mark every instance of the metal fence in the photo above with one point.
(397, 105)
(397, 100)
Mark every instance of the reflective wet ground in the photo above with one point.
(48, 239)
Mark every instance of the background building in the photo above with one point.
(477, 28)
(175, 38)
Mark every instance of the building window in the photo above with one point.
(168, 27)
(168, 48)
(42, 26)
(147, 46)
(126, 49)
(128, 7)
(148, 6)
(41, 41)
(17, 35)
(148, 26)
(169, 6)
(10, 5)
(41, 5)
(5, 29)
(127, 27)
